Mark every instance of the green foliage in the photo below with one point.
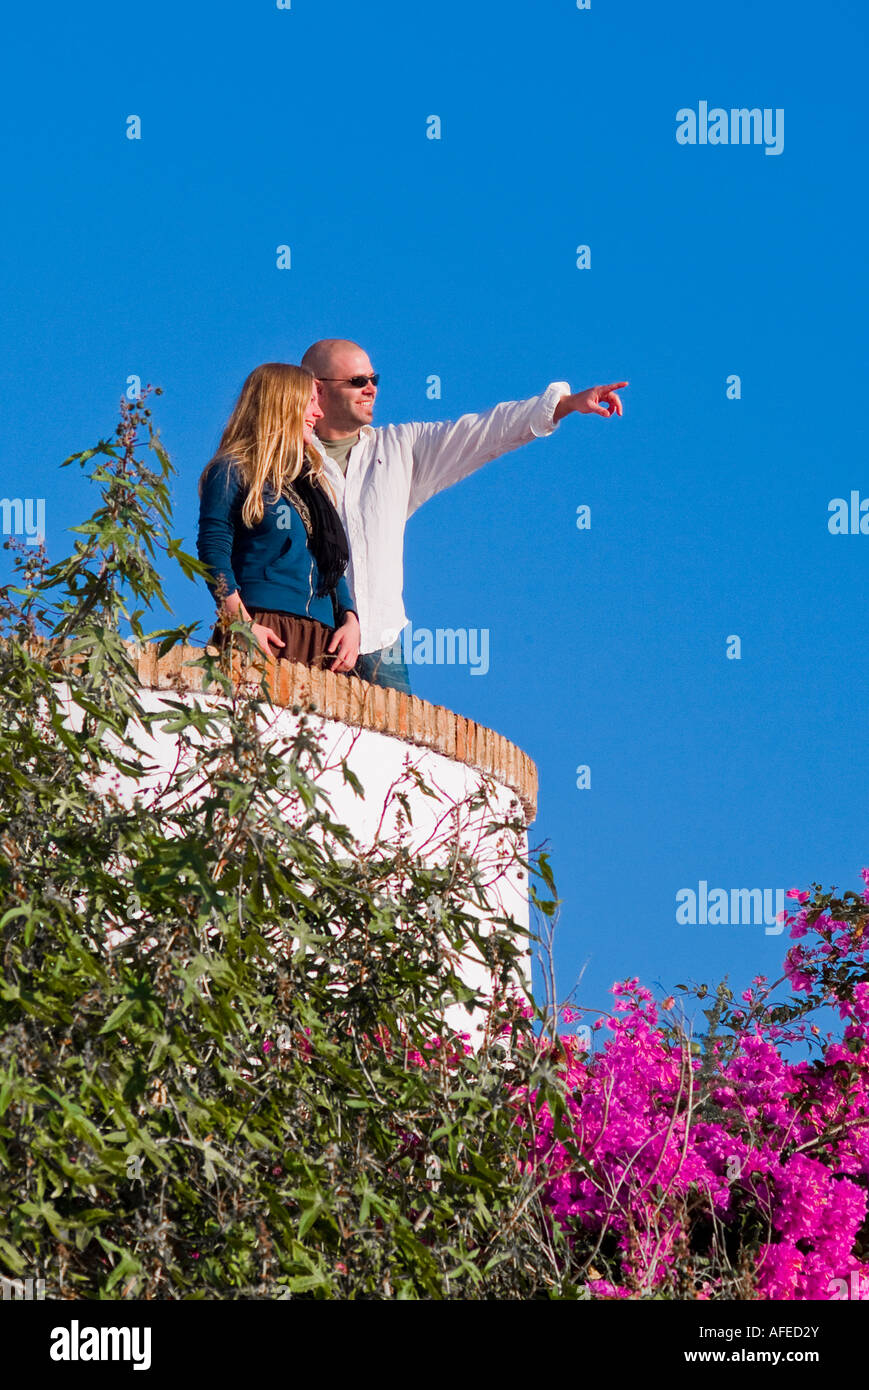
(224, 1066)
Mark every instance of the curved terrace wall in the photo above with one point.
(388, 740)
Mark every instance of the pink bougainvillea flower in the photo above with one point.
(767, 1142)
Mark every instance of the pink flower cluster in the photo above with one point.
(671, 1161)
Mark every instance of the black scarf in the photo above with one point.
(326, 536)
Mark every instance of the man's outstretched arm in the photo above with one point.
(447, 451)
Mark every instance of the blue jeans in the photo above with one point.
(386, 668)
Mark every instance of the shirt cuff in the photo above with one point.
(541, 422)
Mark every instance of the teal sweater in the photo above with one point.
(271, 565)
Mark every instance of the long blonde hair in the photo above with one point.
(264, 435)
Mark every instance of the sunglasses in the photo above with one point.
(353, 380)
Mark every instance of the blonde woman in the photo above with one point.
(268, 528)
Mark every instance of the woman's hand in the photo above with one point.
(265, 635)
(345, 644)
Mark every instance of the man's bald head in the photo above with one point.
(320, 357)
(334, 362)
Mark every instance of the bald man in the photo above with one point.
(382, 475)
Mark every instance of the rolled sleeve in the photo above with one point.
(542, 422)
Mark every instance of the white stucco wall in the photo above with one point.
(384, 765)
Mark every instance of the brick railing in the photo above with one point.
(359, 705)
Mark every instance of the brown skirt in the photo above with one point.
(305, 639)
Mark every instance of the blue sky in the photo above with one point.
(457, 257)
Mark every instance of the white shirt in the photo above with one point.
(392, 470)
